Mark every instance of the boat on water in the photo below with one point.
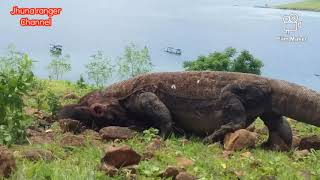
(172, 50)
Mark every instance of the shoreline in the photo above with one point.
(306, 5)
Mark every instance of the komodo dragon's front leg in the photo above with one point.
(150, 107)
(234, 115)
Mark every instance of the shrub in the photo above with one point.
(15, 82)
(53, 103)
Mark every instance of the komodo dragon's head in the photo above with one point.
(96, 115)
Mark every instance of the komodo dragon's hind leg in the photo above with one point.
(234, 116)
(280, 134)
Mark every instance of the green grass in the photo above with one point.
(310, 5)
(209, 162)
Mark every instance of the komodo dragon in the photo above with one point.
(208, 104)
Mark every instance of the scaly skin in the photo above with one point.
(207, 104)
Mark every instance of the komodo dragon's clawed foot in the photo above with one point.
(280, 134)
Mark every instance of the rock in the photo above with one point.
(91, 134)
(109, 170)
(7, 162)
(171, 171)
(33, 131)
(70, 125)
(185, 176)
(301, 154)
(42, 138)
(184, 162)
(37, 154)
(295, 141)
(155, 145)
(72, 140)
(151, 148)
(121, 156)
(240, 139)
(311, 142)
(115, 132)
(147, 155)
(71, 96)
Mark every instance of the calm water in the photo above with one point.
(196, 27)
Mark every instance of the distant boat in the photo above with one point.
(318, 75)
(172, 50)
(265, 6)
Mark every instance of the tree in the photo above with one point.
(135, 61)
(246, 63)
(59, 64)
(226, 61)
(99, 69)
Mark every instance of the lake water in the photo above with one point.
(197, 27)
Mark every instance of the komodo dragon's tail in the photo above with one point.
(296, 102)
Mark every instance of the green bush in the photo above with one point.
(16, 81)
(226, 61)
(53, 103)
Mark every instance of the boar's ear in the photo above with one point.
(97, 109)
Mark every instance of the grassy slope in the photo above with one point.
(311, 5)
(209, 163)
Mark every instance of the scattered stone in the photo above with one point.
(301, 154)
(109, 170)
(240, 139)
(171, 171)
(70, 125)
(71, 96)
(72, 140)
(147, 155)
(7, 162)
(311, 142)
(115, 132)
(33, 131)
(184, 162)
(37, 154)
(41, 138)
(295, 141)
(151, 148)
(121, 156)
(91, 134)
(185, 176)
(155, 145)
(246, 154)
